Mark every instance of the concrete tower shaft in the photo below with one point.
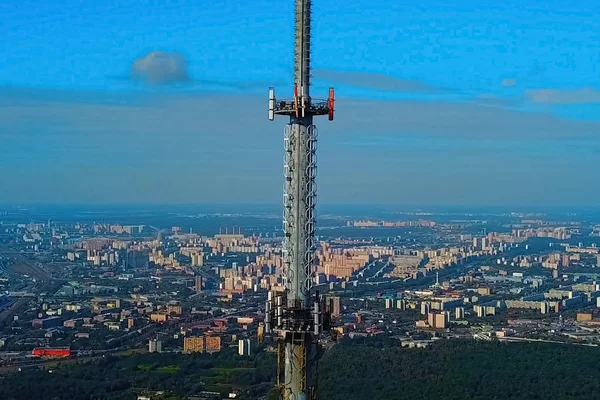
(300, 142)
(295, 315)
(299, 203)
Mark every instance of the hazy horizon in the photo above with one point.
(322, 209)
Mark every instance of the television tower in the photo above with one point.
(297, 315)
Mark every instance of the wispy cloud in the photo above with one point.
(458, 120)
(168, 140)
(564, 96)
(374, 81)
(181, 114)
(159, 67)
(491, 100)
(509, 82)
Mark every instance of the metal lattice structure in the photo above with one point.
(297, 316)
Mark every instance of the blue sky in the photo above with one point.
(471, 103)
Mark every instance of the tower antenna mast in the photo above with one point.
(297, 315)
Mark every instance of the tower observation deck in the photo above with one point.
(297, 315)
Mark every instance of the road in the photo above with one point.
(22, 266)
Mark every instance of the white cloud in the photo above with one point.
(159, 67)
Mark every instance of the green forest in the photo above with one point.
(375, 368)
(125, 377)
(460, 370)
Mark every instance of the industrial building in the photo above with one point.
(51, 352)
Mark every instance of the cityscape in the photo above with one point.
(79, 288)
(177, 224)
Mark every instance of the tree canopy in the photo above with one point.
(460, 370)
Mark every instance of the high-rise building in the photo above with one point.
(174, 309)
(193, 344)
(459, 313)
(154, 346)
(244, 347)
(158, 317)
(197, 259)
(431, 319)
(441, 320)
(198, 284)
(213, 344)
(401, 304)
(389, 303)
(261, 332)
(335, 306)
(479, 310)
(446, 315)
(484, 243)
(437, 320)
(136, 259)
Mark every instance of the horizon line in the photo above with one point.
(252, 204)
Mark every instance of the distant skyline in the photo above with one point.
(469, 104)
